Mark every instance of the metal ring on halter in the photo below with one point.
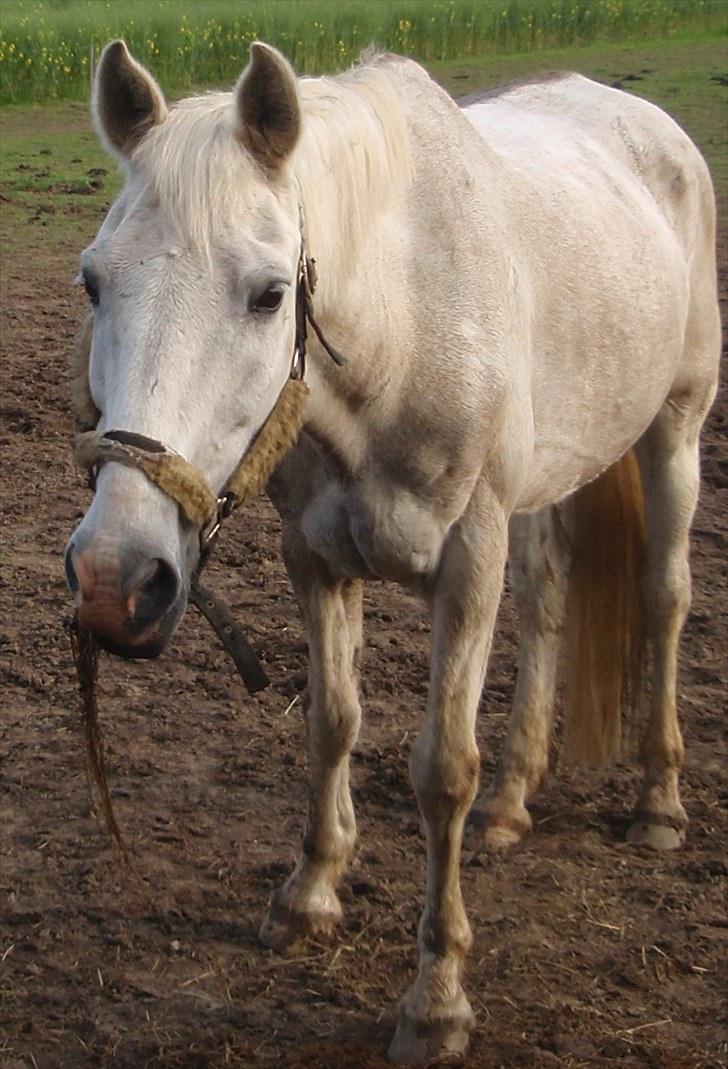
(298, 365)
(225, 507)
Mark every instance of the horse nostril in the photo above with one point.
(162, 583)
(155, 591)
(71, 577)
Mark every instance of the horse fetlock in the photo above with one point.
(435, 1019)
(662, 757)
(450, 942)
(659, 820)
(332, 851)
(303, 908)
(498, 822)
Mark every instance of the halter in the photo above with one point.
(184, 483)
(187, 486)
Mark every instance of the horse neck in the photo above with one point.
(352, 164)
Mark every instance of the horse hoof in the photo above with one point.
(657, 831)
(284, 928)
(495, 831)
(430, 1033)
(438, 1043)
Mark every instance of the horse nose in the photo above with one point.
(122, 596)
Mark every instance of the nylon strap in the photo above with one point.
(231, 635)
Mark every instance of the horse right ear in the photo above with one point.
(127, 101)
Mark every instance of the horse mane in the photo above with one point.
(352, 159)
(355, 140)
(194, 166)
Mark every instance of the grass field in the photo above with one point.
(48, 47)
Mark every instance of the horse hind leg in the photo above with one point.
(538, 565)
(668, 455)
(307, 904)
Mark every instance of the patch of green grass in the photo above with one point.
(48, 47)
(54, 153)
(56, 183)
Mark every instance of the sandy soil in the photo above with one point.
(588, 952)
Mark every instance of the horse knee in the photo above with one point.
(669, 596)
(445, 777)
(333, 726)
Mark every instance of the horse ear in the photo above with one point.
(127, 101)
(268, 107)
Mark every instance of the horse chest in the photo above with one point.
(383, 531)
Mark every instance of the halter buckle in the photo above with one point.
(208, 535)
(298, 364)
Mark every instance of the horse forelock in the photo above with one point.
(195, 167)
(352, 159)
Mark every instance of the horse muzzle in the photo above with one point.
(130, 599)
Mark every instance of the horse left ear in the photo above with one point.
(268, 107)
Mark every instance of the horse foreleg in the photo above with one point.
(538, 567)
(308, 904)
(435, 1017)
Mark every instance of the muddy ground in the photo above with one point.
(588, 952)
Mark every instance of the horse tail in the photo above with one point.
(605, 635)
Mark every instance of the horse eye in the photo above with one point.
(267, 301)
(91, 289)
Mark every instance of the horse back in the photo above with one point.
(634, 133)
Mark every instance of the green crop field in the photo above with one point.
(48, 47)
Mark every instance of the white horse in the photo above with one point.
(523, 290)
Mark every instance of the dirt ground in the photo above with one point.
(588, 952)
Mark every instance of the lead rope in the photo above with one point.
(273, 441)
(85, 652)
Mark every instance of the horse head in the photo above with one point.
(192, 282)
